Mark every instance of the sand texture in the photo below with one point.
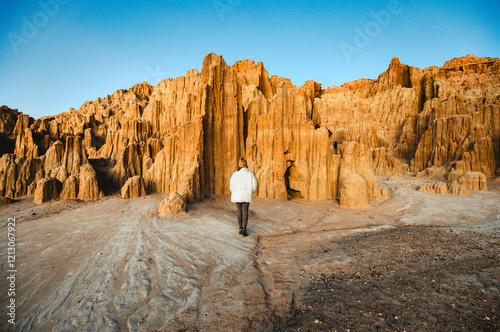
(117, 265)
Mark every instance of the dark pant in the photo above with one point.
(242, 214)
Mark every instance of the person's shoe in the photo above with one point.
(241, 231)
(244, 232)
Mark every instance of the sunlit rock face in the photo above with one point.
(186, 134)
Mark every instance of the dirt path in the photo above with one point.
(116, 265)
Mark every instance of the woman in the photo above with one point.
(242, 185)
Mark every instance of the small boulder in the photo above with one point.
(174, 204)
(134, 187)
(353, 192)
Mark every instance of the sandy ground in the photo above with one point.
(116, 265)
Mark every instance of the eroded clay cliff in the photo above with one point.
(186, 134)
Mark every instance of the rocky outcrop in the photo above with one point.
(53, 162)
(431, 172)
(17, 173)
(458, 189)
(47, 189)
(4, 200)
(434, 187)
(27, 140)
(454, 174)
(174, 204)
(353, 192)
(83, 186)
(8, 120)
(74, 155)
(444, 188)
(31, 189)
(355, 159)
(70, 188)
(461, 122)
(186, 134)
(385, 164)
(88, 188)
(473, 181)
(134, 187)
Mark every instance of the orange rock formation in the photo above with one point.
(186, 134)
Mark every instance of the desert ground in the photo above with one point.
(415, 262)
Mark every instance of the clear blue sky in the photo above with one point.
(56, 57)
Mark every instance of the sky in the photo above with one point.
(57, 54)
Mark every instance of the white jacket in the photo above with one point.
(242, 185)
